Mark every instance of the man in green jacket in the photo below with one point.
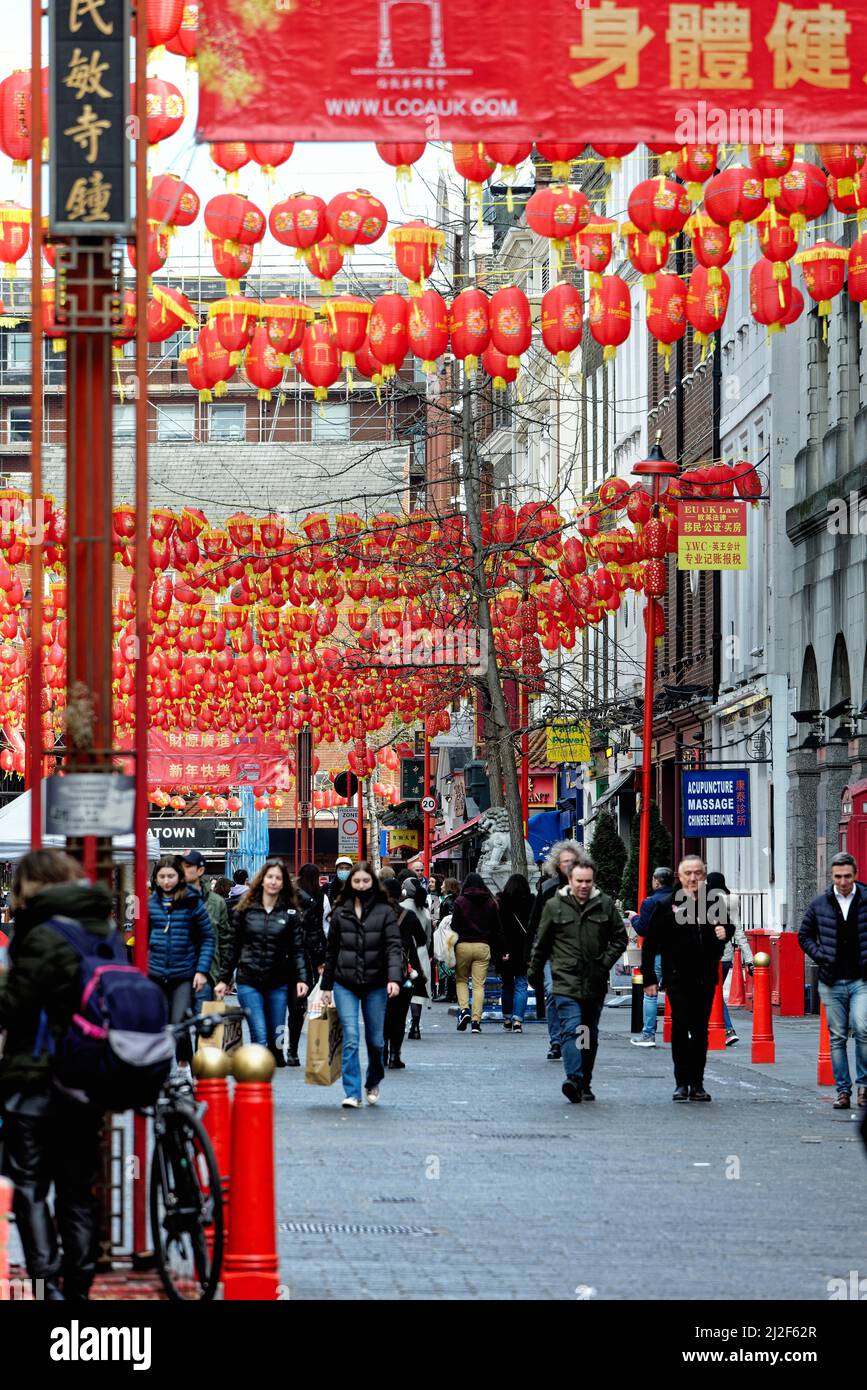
(582, 934)
(194, 873)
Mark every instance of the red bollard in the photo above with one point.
(250, 1266)
(716, 1029)
(211, 1067)
(6, 1192)
(763, 1025)
(666, 1021)
(737, 993)
(824, 1070)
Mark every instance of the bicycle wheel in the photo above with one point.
(186, 1207)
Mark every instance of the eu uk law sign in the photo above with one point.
(716, 802)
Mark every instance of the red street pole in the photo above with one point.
(524, 720)
(360, 820)
(427, 819)
(33, 751)
(141, 580)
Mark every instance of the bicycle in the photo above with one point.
(186, 1187)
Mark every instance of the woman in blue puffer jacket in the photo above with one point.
(180, 943)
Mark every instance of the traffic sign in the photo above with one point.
(428, 805)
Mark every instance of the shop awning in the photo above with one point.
(617, 786)
(440, 847)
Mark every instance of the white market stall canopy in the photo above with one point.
(15, 834)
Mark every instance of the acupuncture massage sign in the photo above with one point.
(716, 803)
(88, 113)
(604, 71)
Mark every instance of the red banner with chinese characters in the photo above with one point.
(717, 71)
(214, 761)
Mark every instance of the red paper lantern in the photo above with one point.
(645, 255)
(470, 327)
(843, 163)
(508, 154)
(562, 322)
(610, 314)
(696, 164)
(428, 328)
(168, 312)
(171, 202)
(415, 251)
(157, 248)
(320, 359)
(233, 265)
(654, 578)
(498, 367)
(771, 162)
(401, 154)
(368, 365)
(776, 237)
(803, 194)
(557, 211)
(706, 304)
(270, 155)
(14, 236)
(824, 268)
(593, 245)
(747, 480)
(611, 154)
(185, 42)
(711, 245)
(659, 208)
(50, 326)
(261, 365)
(666, 313)
(298, 221)
(164, 20)
(16, 108)
(858, 271)
(285, 320)
(511, 322)
(795, 310)
(324, 260)
(234, 319)
(349, 317)
(387, 332)
(230, 156)
(165, 108)
(474, 164)
(345, 216)
(770, 296)
(734, 198)
(234, 220)
(560, 154)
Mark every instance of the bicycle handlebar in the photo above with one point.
(205, 1025)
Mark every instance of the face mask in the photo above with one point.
(343, 875)
(363, 893)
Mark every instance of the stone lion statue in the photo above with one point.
(495, 861)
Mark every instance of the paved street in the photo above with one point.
(476, 1179)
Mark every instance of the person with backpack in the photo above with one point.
(51, 1131)
(311, 904)
(476, 922)
(268, 953)
(516, 904)
(181, 943)
(363, 971)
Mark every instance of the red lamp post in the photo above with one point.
(653, 473)
(526, 574)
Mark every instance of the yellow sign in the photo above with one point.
(396, 838)
(712, 536)
(568, 741)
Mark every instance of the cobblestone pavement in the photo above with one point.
(476, 1179)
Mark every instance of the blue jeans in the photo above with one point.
(727, 1018)
(267, 1015)
(513, 998)
(551, 1015)
(579, 1055)
(372, 1002)
(846, 1006)
(206, 993)
(651, 1004)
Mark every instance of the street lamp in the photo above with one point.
(654, 473)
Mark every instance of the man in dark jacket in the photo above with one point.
(48, 1138)
(689, 933)
(834, 935)
(194, 873)
(557, 868)
(582, 935)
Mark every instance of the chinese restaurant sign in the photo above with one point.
(89, 106)
(213, 760)
(716, 71)
(712, 536)
(716, 804)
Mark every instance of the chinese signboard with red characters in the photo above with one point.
(712, 536)
(89, 107)
(716, 803)
(213, 760)
(602, 70)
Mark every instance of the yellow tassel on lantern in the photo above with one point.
(320, 393)
(513, 362)
(221, 389)
(349, 382)
(648, 281)
(471, 362)
(205, 397)
(695, 192)
(561, 171)
(264, 394)
(664, 350)
(609, 352)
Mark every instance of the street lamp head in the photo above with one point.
(655, 471)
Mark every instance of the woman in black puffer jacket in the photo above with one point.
(311, 903)
(363, 969)
(268, 953)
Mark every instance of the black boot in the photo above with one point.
(396, 1064)
(414, 1030)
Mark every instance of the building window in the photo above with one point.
(173, 346)
(227, 422)
(331, 425)
(19, 424)
(18, 352)
(176, 422)
(123, 422)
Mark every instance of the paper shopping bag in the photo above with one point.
(227, 1036)
(324, 1049)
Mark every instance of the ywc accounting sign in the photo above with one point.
(89, 97)
(716, 803)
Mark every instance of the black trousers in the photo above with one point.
(691, 1004)
(396, 1011)
(179, 997)
(297, 1012)
(49, 1139)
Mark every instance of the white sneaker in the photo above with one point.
(350, 1103)
(372, 1097)
(643, 1042)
